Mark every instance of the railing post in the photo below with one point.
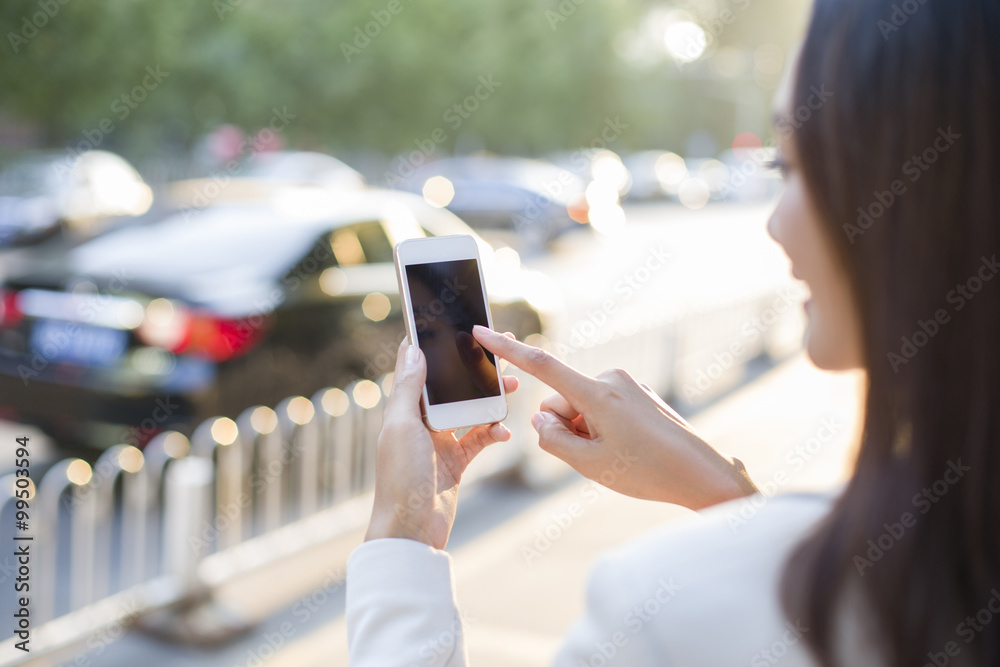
(336, 432)
(368, 397)
(70, 472)
(135, 515)
(270, 468)
(298, 429)
(159, 452)
(83, 526)
(256, 426)
(217, 437)
(187, 499)
(111, 465)
(162, 449)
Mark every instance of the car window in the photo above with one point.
(360, 243)
(400, 223)
(347, 247)
(374, 243)
(350, 245)
(319, 258)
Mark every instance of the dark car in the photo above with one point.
(171, 320)
(521, 202)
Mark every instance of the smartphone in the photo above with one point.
(443, 293)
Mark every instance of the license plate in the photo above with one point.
(82, 344)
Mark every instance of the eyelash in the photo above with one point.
(778, 164)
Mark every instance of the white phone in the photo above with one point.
(443, 293)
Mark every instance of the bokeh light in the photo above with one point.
(438, 191)
(685, 41)
(376, 306)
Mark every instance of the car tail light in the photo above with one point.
(10, 311)
(221, 339)
(579, 210)
(173, 327)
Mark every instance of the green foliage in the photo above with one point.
(237, 60)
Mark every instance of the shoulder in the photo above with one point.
(732, 539)
(709, 584)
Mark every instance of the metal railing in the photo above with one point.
(142, 531)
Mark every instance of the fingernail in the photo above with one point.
(537, 420)
(483, 330)
(412, 355)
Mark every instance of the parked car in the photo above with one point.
(262, 176)
(42, 193)
(305, 168)
(520, 202)
(161, 324)
(655, 174)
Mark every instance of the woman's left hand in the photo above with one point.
(417, 470)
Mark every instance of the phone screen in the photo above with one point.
(448, 299)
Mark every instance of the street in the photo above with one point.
(522, 555)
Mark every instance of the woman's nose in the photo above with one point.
(773, 225)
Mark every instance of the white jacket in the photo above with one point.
(700, 591)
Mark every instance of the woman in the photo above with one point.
(889, 145)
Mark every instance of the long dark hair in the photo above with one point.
(903, 161)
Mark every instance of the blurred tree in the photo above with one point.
(382, 75)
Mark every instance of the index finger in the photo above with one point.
(565, 379)
(471, 353)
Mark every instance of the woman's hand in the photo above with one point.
(417, 470)
(482, 370)
(619, 433)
